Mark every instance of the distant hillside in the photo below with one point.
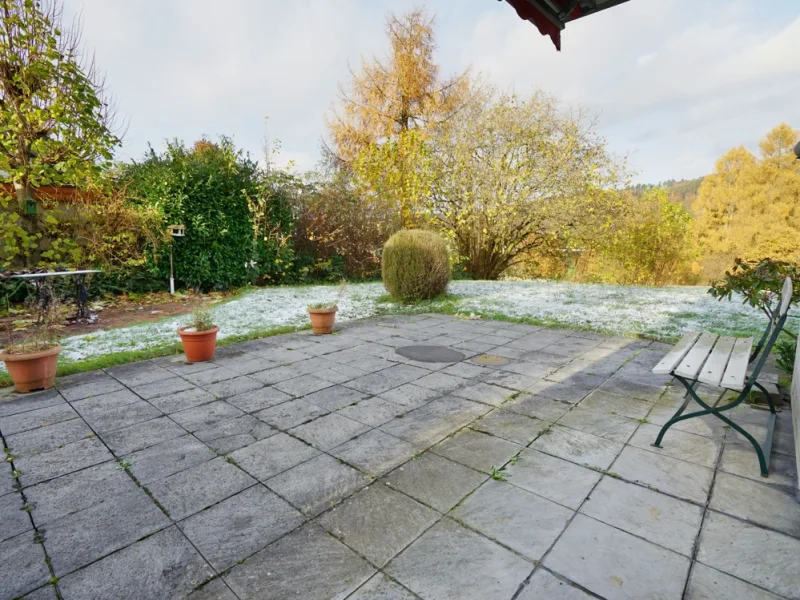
(683, 191)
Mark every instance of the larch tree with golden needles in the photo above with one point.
(750, 208)
(390, 108)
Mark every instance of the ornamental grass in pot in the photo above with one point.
(323, 314)
(199, 337)
(31, 357)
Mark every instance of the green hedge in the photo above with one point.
(415, 265)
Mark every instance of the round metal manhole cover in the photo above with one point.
(432, 354)
(490, 361)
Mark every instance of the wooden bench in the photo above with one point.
(723, 361)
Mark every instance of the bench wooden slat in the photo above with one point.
(691, 364)
(674, 356)
(735, 372)
(714, 368)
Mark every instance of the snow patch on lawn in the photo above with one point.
(663, 313)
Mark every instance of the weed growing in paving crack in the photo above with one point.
(497, 474)
(125, 465)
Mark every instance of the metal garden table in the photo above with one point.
(81, 294)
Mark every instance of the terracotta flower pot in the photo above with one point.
(199, 346)
(34, 370)
(322, 319)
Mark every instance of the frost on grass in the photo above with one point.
(661, 313)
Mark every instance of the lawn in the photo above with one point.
(660, 313)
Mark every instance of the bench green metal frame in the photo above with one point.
(759, 356)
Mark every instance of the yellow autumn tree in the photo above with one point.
(749, 207)
(390, 108)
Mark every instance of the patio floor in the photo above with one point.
(332, 467)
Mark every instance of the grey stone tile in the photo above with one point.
(429, 424)
(274, 375)
(142, 435)
(166, 458)
(709, 584)
(96, 386)
(510, 426)
(539, 407)
(182, 400)
(513, 517)
(300, 386)
(47, 592)
(317, 484)
(378, 522)
(449, 561)
(234, 386)
(283, 355)
(436, 481)
(209, 376)
(467, 370)
(552, 478)
(678, 444)
(271, 456)
(178, 365)
(386, 379)
(290, 414)
(44, 439)
(240, 526)
(662, 473)
(69, 458)
(741, 460)
(340, 373)
(440, 382)
(571, 394)
(17, 403)
(196, 488)
(259, 399)
(74, 492)
(216, 589)
(372, 411)
(765, 503)
(410, 395)
(374, 452)
(380, 587)
(546, 586)
(41, 417)
(602, 424)
(111, 418)
(102, 403)
(479, 451)
(13, 519)
(22, 566)
(164, 387)
(655, 517)
(243, 363)
(578, 447)
(633, 389)
(617, 404)
(78, 539)
(485, 393)
(7, 482)
(222, 434)
(334, 398)
(138, 373)
(283, 569)
(205, 416)
(615, 564)
(329, 431)
(165, 565)
(739, 549)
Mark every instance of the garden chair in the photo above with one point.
(723, 361)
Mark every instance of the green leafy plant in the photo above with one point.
(759, 283)
(44, 330)
(415, 265)
(201, 320)
(786, 349)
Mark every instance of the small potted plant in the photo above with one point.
(32, 361)
(199, 337)
(323, 314)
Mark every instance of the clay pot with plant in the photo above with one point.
(323, 314)
(199, 337)
(31, 357)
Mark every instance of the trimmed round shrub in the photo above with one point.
(415, 265)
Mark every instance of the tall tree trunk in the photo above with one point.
(30, 223)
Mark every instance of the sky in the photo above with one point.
(672, 84)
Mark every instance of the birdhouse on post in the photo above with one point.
(176, 230)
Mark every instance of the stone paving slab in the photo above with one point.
(396, 501)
